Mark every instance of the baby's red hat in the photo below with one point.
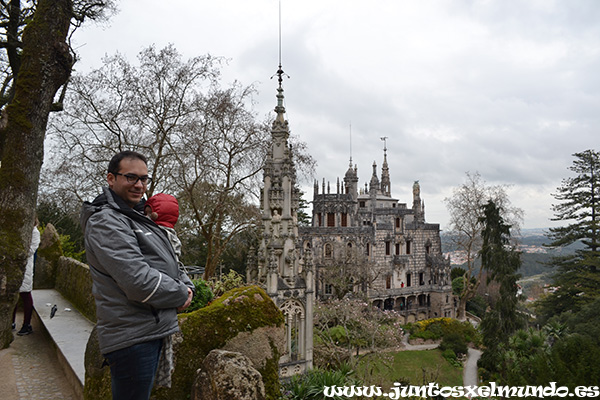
(166, 207)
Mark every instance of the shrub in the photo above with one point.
(310, 386)
(229, 281)
(450, 356)
(203, 295)
(437, 328)
(455, 342)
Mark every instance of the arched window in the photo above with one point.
(328, 250)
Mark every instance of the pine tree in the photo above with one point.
(501, 263)
(578, 275)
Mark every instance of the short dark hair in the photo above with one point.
(115, 162)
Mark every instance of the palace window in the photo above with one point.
(387, 248)
(397, 249)
(408, 282)
(408, 243)
(344, 219)
(328, 250)
(330, 219)
(328, 288)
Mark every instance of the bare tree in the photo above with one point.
(466, 212)
(204, 142)
(218, 169)
(347, 272)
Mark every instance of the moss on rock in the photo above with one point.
(237, 311)
(97, 378)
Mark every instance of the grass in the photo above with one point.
(413, 367)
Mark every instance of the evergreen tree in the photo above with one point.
(502, 263)
(578, 275)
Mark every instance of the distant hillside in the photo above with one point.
(534, 257)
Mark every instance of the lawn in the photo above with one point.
(414, 367)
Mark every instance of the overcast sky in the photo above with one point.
(509, 89)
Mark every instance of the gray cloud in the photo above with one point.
(508, 89)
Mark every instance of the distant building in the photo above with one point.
(366, 241)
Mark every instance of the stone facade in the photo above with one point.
(367, 241)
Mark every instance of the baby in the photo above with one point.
(163, 209)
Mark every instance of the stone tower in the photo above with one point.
(279, 268)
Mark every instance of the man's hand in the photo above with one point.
(188, 301)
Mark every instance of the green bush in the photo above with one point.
(229, 281)
(203, 295)
(449, 355)
(310, 386)
(437, 328)
(454, 341)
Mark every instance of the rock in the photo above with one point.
(50, 250)
(97, 378)
(226, 375)
(243, 320)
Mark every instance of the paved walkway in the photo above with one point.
(29, 368)
(470, 377)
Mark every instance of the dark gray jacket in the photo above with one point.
(137, 284)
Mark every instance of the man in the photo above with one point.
(137, 284)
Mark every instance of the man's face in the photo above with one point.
(131, 193)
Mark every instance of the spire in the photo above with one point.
(350, 145)
(280, 109)
(385, 171)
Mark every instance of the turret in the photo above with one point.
(417, 205)
(386, 184)
(374, 184)
(351, 181)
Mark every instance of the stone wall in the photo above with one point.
(69, 277)
(74, 282)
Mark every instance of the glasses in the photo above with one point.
(132, 179)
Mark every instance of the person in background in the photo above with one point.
(136, 282)
(27, 285)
